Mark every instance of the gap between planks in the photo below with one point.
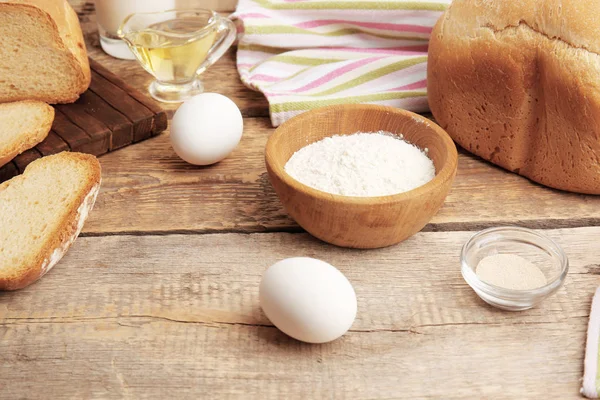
(544, 224)
(123, 319)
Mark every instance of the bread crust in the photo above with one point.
(29, 139)
(60, 240)
(69, 30)
(68, 37)
(516, 83)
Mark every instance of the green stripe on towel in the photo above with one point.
(378, 73)
(297, 60)
(262, 49)
(309, 105)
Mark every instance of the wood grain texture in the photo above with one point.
(67, 125)
(362, 223)
(159, 121)
(147, 188)
(114, 119)
(178, 315)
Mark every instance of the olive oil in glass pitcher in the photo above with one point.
(176, 46)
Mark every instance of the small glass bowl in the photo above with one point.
(531, 245)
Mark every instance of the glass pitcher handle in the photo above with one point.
(226, 34)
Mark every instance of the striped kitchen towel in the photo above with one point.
(305, 54)
(591, 377)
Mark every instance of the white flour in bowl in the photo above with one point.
(362, 165)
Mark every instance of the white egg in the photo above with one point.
(206, 129)
(308, 299)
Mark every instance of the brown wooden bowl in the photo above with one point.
(360, 222)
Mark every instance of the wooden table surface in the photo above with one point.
(158, 298)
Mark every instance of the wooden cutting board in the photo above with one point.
(108, 116)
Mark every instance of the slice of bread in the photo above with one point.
(23, 124)
(42, 52)
(42, 212)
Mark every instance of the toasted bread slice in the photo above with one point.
(23, 124)
(42, 212)
(42, 52)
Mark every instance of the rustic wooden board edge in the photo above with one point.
(138, 115)
(160, 118)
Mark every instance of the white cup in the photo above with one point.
(111, 13)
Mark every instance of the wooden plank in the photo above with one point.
(26, 158)
(120, 127)
(52, 144)
(73, 135)
(146, 187)
(155, 316)
(101, 133)
(135, 358)
(8, 171)
(160, 121)
(140, 116)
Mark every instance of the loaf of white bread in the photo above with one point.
(42, 212)
(518, 83)
(42, 52)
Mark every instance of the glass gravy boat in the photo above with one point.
(176, 46)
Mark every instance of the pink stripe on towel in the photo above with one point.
(411, 86)
(373, 25)
(334, 74)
